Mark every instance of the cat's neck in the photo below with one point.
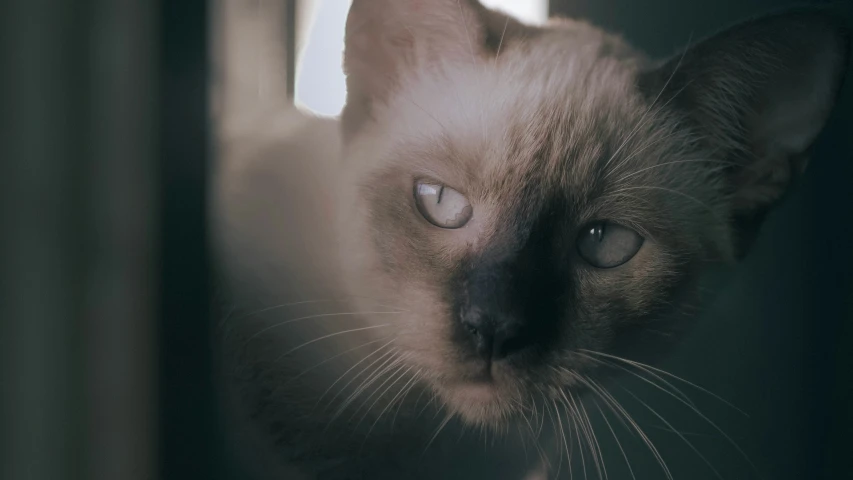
(273, 203)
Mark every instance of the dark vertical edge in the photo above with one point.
(120, 305)
(188, 446)
(291, 48)
(830, 364)
(839, 442)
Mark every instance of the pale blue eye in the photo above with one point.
(442, 206)
(608, 245)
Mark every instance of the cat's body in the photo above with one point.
(357, 315)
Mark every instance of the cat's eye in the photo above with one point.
(608, 245)
(442, 206)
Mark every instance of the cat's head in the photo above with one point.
(531, 195)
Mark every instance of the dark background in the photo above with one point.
(104, 295)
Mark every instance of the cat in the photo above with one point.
(501, 213)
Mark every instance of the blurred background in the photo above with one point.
(110, 110)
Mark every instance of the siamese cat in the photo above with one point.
(502, 216)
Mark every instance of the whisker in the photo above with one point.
(606, 402)
(418, 401)
(392, 361)
(668, 190)
(292, 379)
(501, 41)
(616, 438)
(620, 193)
(523, 437)
(534, 438)
(727, 437)
(575, 415)
(396, 374)
(433, 398)
(656, 414)
(227, 316)
(676, 192)
(668, 374)
(462, 432)
(527, 421)
(674, 162)
(416, 104)
(390, 403)
(443, 127)
(688, 434)
(399, 20)
(625, 160)
(575, 421)
(405, 391)
(595, 442)
(643, 118)
(615, 403)
(644, 379)
(309, 317)
(316, 301)
(657, 141)
(284, 305)
(562, 437)
(329, 336)
(541, 420)
(535, 412)
(353, 367)
(438, 430)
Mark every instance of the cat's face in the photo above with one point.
(529, 205)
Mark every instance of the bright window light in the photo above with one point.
(534, 12)
(320, 81)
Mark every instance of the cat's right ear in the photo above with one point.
(758, 95)
(388, 41)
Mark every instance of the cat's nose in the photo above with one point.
(494, 337)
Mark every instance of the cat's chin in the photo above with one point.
(481, 402)
(476, 403)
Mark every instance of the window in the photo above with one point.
(320, 83)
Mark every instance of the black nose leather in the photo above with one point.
(509, 298)
(494, 336)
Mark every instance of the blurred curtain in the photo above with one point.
(78, 238)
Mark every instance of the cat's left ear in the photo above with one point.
(390, 41)
(758, 94)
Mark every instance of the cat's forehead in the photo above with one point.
(551, 108)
